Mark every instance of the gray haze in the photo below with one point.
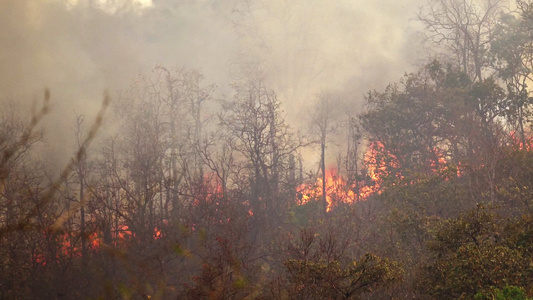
(302, 47)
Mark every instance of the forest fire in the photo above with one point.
(191, 151)
(68, 243)
(378, 163)
(337, 191)
(381, 163)
(516, 141)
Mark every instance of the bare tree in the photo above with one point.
(324, 122)
(465, 28)
(253, 119)
(352, 160)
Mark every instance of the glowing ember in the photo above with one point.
(157, 234)
(123, 233)
(209, 191)
(516, 141)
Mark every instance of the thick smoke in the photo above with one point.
(303, 47)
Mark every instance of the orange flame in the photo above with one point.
(337, 190)
(380, 164)
(340, 191)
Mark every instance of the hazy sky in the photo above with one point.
(78, 48)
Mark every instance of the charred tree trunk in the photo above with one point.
(82, 225)
(323, 167)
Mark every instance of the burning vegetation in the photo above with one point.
(190, 194)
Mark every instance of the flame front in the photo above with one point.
(337, 190)
(379, 163)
